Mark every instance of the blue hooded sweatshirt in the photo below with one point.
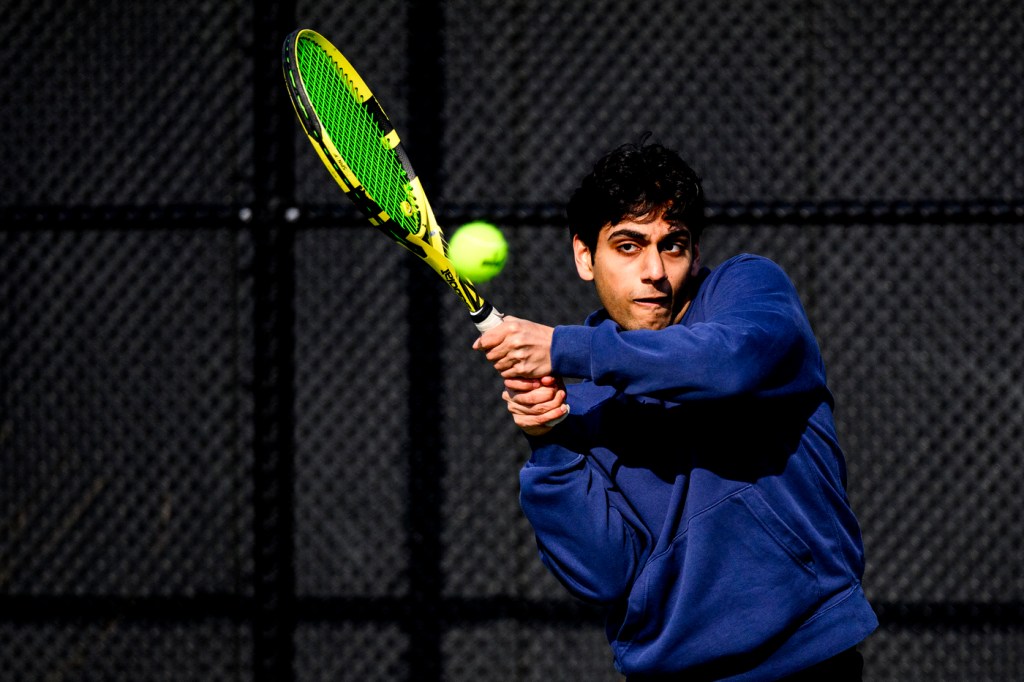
(697, 490)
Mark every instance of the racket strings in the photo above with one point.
(357, 135)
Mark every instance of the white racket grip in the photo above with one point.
(492, 320)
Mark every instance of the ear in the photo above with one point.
(584, 259)
(695, 265)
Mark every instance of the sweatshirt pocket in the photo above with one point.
(736, 579)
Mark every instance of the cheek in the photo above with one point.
(610, 292)
(603, 289)
(685, 272)
(693, 265)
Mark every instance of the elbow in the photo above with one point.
(607, 592)
(598, 587)
(756, 368)
(597, 574)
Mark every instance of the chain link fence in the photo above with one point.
(242, 437)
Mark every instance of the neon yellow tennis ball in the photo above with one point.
(478, 250)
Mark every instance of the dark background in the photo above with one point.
(244, 437)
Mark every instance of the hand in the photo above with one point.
(518, 349)
(536, 405)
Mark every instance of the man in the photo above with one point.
(691, 482)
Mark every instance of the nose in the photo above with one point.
(654, 267)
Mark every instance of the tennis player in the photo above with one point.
(695, 488)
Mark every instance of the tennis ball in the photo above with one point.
(478, 250)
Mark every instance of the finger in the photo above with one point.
(517, 396)
(504, 363)
(520, 385)
(491, 338)
(535, 398)
(552, 416)
(529, 400)
(501, 355)
(557, 415)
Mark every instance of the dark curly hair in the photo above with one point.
(631, 182)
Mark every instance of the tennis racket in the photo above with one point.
(356, 141)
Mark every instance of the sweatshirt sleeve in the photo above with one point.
(586, 537)
(749, 336)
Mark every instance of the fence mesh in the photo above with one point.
(219, 449)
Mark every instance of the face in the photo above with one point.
(644, 271)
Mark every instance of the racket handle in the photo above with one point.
(487, 317)
(490, 317)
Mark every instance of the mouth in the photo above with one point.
(653, 301)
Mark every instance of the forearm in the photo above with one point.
(749, 336)
(704, 362)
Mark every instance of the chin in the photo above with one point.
(650, 325)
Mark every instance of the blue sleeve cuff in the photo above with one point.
(552, 455)
(560, 446)
(570, 351)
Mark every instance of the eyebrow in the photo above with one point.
(643, 236)
(626, 232)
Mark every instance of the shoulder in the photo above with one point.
(748, 262)
(745, 281)
(748, 269)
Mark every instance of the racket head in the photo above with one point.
(356, 141)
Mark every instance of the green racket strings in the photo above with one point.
(356, 134)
